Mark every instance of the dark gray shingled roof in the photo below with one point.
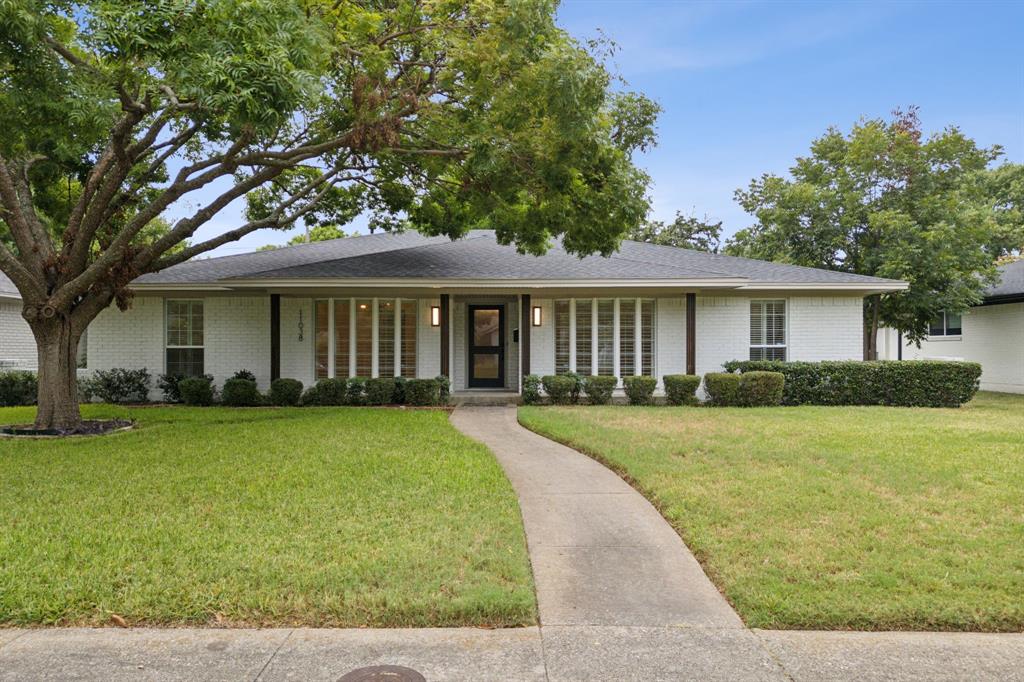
(1011, 281)
(480, 256)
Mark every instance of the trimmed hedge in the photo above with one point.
(560, 388)
(761, 389)
(640, 389)
(196, 391)
(444, 389)
(120, 385)
(355, 391)
(285, 392)
(423, 392)
(599, 389)
(326, 392)
(380, 391)
(909, 383)
(681, 389)
(18, 388)
(723, 389)
(240, 392)
(531, 389)
(168, 384)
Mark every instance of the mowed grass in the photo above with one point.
(317, 517)
(866, 518)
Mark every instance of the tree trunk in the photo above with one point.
(871, 328)
(57, 346)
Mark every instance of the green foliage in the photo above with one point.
(1005, 185)
(326, 392)
(285, 392)
(18, 388)
(120, 385)
(599, 389)
(244, 374)
(531, 389)
(686, 231)
(355, 391)
(168, 384)
(444, 389)
(886, 202)
(398, 397)
(196, 391)
(577, 385)
(723, 389)
(913, 383)
(681, 389)
(761, 389)
(561, 389)
(639, 389)
(240, 392)
(380, 391)
(423, 392)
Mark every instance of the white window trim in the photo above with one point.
(169, 346)
(616, 340)
(374, 336)
(945, 336)
(764, 321)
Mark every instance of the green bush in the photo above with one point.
(761, 389)
(398, 397)
(85, 390)
(681, 389)
(422, 392)
(577, 386)
(380, 391)
(240, 392)
(910, 383)
(244, 374)
(560, 388)
(355, 391)
(640, 390)
(444, 389)
(326, 392)
(196, 391)
(531, 389)
(121, 385)
(285, 392)
(723, 389)
(18, 388)
(168, 384)
(599, 389)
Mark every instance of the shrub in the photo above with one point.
(18, 388)
(577, 385)
(285, 392)
(444, 389)
(196, 391)
(379, 391)
(423, 392)
(326, 392)
(121, 385)
(531, 389)
(168, 384)
(239, 392)
(85, 390)
(244, 374)
(723, 389)
(599, 389)
(761, 389)
(355, 391)
(640, 390)
(398, 397)
(559, 388)
(681, 389)
(910, 383)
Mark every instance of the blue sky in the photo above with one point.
(745, 86)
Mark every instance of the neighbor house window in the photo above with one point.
(946, 324)
(768, 330)
(185, 338)
(353, 332)
(594, 329)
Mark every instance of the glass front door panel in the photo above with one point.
(486, 328)
(486, 346)
(486, 366)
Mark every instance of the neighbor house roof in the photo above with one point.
(7, 288)
(1010, 286)
(410, 257)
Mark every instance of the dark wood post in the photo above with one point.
(275, 336)
(445, 361)
(691, 333)
(525, 322)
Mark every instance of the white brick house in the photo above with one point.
(17, 345)
(478, 312)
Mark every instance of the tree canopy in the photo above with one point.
(686, 231)
(317, 233)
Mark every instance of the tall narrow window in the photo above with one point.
(341, 337)
(647, 337)
(408, 369)
(561, 337)
(584, 343)
(627, 337)
(184, 338)
(767, 330)
(364, 338)
(321, 338)
(606, 337)
(386, 338)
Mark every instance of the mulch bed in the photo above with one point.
(89, 427)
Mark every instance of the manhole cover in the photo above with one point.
(383, 673)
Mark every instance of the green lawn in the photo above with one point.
(317, 517)
(829, 517)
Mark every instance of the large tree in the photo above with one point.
(437, 115)
(686, 231)
(884, 200)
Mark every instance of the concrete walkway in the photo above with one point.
(620, 598)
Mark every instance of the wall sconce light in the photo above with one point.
(435, 316)
(536, 316)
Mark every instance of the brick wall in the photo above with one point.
(17, 345)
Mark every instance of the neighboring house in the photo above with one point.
(478, 312)
(991, 333)
(17, 345)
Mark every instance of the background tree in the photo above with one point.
(442, 116)
(686, 231)
(317, 233)
(884, 201)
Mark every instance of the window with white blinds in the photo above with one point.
(768, 330)
(348, 336)
(590, 328)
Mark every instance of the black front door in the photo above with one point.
(486, 346)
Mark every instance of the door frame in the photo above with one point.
(472, 349)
